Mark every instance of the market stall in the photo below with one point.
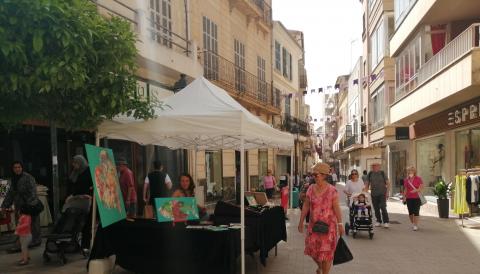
(202, 116)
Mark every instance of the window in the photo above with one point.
(468, 148)
(276, 98)
(262, 85)
(287, 64)
(287, 105)
(377, 108)
(431, 160)
(210, 45)
(239, 49)
(377, 40)
(278, 56)
(401, 8)
(407, 66)
(161, 22)
(262, 162)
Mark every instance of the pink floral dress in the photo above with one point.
(321, 247)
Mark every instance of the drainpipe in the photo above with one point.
(187, 34)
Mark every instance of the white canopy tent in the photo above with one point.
(202, 116)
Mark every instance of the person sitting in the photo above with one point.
(187, 189)
(362, 205)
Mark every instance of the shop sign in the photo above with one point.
(402, 133)
(462, 115)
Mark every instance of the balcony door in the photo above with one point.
(262, 85)
(240, 76)
(210, 45)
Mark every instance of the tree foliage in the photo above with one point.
(62, 62)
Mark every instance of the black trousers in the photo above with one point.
(380, 206)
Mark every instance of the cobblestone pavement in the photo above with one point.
(440, 246)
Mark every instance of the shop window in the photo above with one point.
(431, 160)
(213, 163)
(468, 148)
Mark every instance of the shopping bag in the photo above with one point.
(342, 253)
(148, 212)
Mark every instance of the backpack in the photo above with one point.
(383, 175)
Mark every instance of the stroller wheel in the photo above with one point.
(370, 235)
(46, 258)
(347, 228)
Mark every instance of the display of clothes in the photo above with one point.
(460, 205)
(472, 189)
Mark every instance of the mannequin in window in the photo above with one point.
(437, 164)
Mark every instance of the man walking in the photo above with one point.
(379, 184)
(127, 185)
(157, 184)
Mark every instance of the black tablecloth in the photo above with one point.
(145, 246)
(263, 230)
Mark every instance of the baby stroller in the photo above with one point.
(360, 220)
(65, 236)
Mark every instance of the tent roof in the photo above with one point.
(201, 115)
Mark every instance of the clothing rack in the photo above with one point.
(467, 172)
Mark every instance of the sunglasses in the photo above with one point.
(354, 173)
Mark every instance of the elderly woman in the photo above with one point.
(413, 185)
(353, 185)
(325, 219)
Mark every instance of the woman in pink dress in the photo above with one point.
(322, 203)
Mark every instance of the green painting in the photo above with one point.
(106, 186)
(176, 210)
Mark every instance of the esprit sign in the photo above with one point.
(464, 114)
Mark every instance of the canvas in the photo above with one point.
(179, 209)
(105, 184)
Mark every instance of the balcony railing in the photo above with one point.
(149, 27)
(237, 80)
(296, 126)
(350, 141)
(457, 48)
(377, 125)
(264, 10)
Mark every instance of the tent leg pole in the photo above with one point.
(242, 201)
(292, 176)
(94, 201)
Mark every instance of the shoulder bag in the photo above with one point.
(420, 195)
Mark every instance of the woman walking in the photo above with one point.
(354, 185)
(325, 219)
(269, 184)
(413, 185)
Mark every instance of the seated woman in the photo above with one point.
(187, 189)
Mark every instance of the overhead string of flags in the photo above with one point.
(332, 89)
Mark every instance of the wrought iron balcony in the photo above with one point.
(296, 126)
(350, 141)
(255, 9)
(240, 83)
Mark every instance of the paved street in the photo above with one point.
(440, 246)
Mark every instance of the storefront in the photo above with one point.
(447, 142)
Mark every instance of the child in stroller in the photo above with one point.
(360, 215)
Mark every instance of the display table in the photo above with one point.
(145, 246)
(264, 229)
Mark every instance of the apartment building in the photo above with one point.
(378, 84)
(436, 49)
(289, 84)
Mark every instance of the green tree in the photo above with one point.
(62, 62)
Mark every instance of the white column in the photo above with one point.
(242, 201)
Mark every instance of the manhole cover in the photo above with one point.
(395, 222)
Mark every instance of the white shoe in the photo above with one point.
(415, 228)
(377, 224)
(386, 225)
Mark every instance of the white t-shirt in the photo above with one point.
(354, 187)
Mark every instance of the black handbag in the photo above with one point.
(320, 227)
(33, 209)
(342, 253)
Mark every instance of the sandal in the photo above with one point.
(22, 262)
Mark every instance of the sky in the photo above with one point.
(333, 42)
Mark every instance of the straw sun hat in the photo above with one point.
(321, 168)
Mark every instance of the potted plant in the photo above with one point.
(441, 191)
